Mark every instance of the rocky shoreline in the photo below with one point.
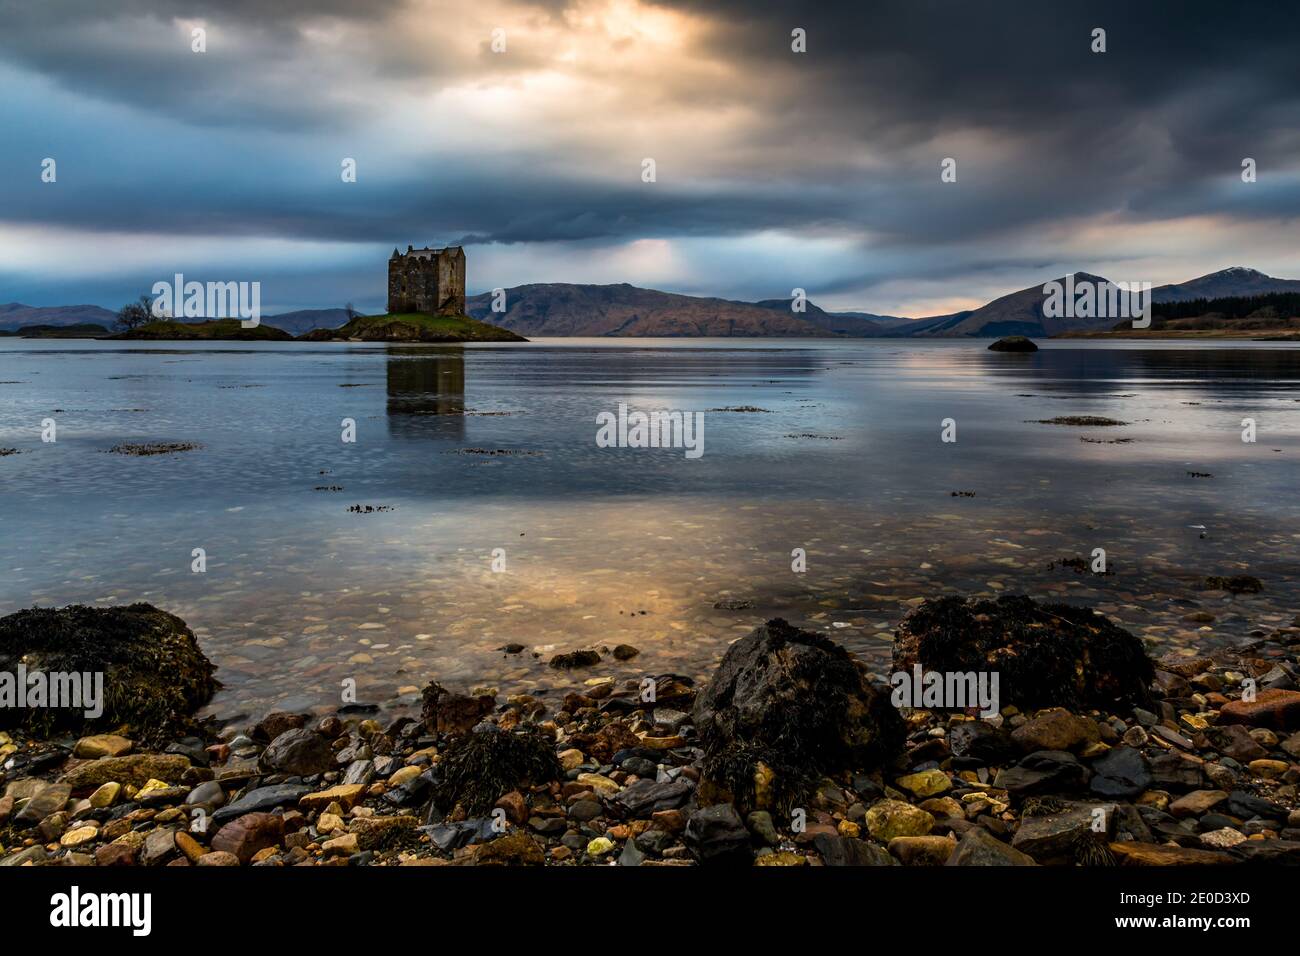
(791, 755)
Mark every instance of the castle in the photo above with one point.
(427, 280)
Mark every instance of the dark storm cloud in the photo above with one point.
(1183, 93)
(845, 139)
(260, 68)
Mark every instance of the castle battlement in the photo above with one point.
(427, 280)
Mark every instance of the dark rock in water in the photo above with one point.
(1013, 343)
(1045, 655)
(646, 796)
(446, 712)
(263, 798)
(300, 752)
(154, 674)
(1120, 772)
(575, 659)
(479, 767)
(1235, 584)
(981, 848)
(1046, 770)
(844, 851)
(717, 835)
(797, 703)
(359, 708)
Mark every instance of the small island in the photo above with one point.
(212, 329)
(1013, 343)
(413, 327)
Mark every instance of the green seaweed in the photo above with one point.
(481, 767)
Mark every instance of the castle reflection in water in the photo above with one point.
(426, 392)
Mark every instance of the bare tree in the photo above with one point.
(135, 314)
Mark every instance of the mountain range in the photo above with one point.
(568, 309)
(1022, 313)
(561, 308)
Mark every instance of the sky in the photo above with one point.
(522, 129)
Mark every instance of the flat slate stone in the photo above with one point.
(261, 799)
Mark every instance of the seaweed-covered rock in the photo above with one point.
(785, 708)
(154, 674)
(1046, 655)
(477, 769)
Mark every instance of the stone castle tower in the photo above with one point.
(427, 280)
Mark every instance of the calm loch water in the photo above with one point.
(832, 447)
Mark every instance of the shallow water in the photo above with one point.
(619, 545)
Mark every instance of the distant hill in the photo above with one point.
(566, 309)
(1021, 313)
(854, 324)
(1018, 313)
(82, 330)
(307, 320)
(1236, 281)
(15, 315)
